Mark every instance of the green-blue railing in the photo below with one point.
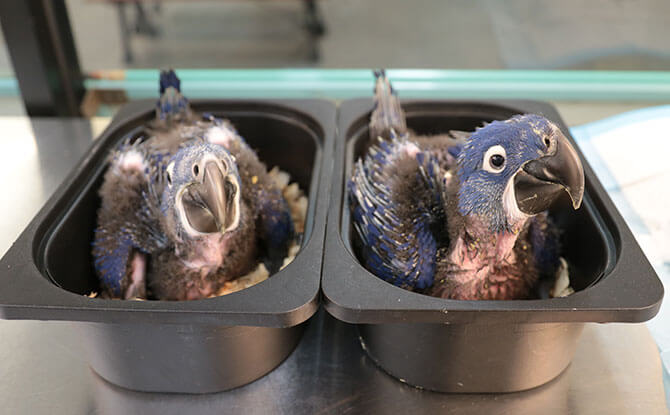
(347, 83)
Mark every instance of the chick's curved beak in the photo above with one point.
(540, 182)
(212, 203)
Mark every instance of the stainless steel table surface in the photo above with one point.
(616, 369)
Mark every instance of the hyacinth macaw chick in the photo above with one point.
(181, 234)
(186, 207)
(478, 230)
(195, 216)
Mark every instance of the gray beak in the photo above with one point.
(542, 181)
(210, 204)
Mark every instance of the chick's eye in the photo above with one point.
(196, 170)
(497, 160)
(494, 159)
(169, 178)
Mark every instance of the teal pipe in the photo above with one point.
(413, 83)
(418, 83)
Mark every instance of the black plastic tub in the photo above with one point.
(188, 346)
(483, 346)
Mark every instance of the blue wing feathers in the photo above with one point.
(275, 227)
(401, 255)
(128, 217)
(277, 222)
(111, 253)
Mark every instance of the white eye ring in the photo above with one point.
(493, 154)
(169, 172)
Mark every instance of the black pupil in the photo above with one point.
(196, 170)
(497, 160)
(169, 179)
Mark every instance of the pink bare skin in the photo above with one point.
(480, 265)
(483, 266)
(136, 287)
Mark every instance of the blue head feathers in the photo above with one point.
(504, 162)
(202, 191)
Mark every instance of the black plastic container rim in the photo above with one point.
(29, 294)
(347, 286)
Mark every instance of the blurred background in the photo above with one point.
(466, 34)
(111, 36)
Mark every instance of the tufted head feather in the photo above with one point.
(168, 79)
(171, 104)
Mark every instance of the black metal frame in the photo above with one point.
(44, 56)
